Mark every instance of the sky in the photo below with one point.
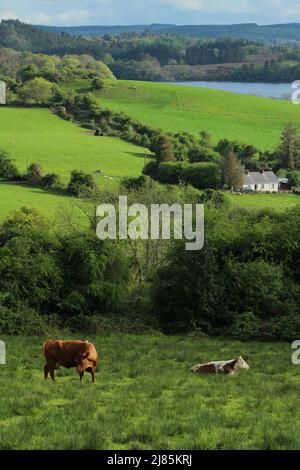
(125, 12)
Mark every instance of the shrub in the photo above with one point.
(34, 174)
(24, 321)
(199, 175)
(246, 326)
(150, 169)
(51, 181)
(8, 170)
(81, 184)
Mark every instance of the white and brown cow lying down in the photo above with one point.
(79, 354)
(221, 367)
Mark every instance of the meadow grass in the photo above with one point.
(54, 205)
(278, 202)
(37, 135)
(147, 398)
(254, 120)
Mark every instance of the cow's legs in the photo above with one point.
(46, 371)
(93, 374)
(81, 374)
(52, 373)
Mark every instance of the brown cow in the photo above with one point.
(79, 354)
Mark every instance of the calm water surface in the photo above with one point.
(279, 91)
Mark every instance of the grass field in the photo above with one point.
(254, 120)
(146, 397)
(37, 135)
(279, 202)
(55, 206)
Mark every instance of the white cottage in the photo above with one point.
(264, 181)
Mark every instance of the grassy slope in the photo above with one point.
(36, 135)
(160, 406)
(32, 135)
(175, 108)
(55, 206)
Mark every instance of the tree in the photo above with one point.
(38, 91)
(7, 168)
(232, 175)
(28, 73)
(289, 148)
(34, 174)
(81, 184)
(164, 150)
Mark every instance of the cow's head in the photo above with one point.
(82, 362)
(241, 364)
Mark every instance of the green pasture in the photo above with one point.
(147, 398)
(254, 120)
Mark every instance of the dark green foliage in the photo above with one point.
(199, 175)
(163, 149)
(150, 169)
(232, 172)
(42, 273)
(8, 170)
(189, 289)
(22, 321)
(51, 181)
(81, 184)
(95, 276)
(294, 178)
(245, 282)
(34, 174)
(289, 149)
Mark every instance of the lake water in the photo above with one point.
(266, 90)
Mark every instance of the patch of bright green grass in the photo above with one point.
(37, 135)
(279, 202)
(147, 398)
(53, 205)
(254, 120)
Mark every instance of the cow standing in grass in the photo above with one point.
(79, 354)
(221, 367)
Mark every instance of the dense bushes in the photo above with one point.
(199, 175)
(44, 273)
(244, 283)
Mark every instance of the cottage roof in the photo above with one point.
(256, 177)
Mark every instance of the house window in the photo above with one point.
(273, 185)
(262, 186)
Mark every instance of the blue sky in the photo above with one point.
(105, 12)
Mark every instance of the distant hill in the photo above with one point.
(278, 32)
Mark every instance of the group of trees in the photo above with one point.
(38, 78)
(53, 277)
(153, 56)
(244, 283)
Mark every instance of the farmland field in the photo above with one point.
(37, 135)
(278, 202)
(254, 120)
(14, 196)
(147, 398)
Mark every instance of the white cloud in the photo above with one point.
(8, 15)
(74, 15)
(214, 6)
(186, 4)
(38, 18)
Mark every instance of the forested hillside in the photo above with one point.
(153, 56)
(278, 32)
